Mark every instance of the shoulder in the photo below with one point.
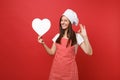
(78, 35)
(57, 34)
(55, 37)
(79, 38)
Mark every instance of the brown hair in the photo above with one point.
(70, 34)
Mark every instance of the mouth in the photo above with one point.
(63, 25)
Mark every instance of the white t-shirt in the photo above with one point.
(78, 37)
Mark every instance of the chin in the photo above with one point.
(64, 28)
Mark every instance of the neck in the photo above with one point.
(65, 34)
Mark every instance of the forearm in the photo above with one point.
(49, 51)
(86, 44)
(88, 48)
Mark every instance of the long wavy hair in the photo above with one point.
(70, 34)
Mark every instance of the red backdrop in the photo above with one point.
(23, 58)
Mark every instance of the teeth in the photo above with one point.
(63, 25)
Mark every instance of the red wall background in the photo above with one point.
(23, 58)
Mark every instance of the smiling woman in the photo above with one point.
(65, 46)
(22, 58)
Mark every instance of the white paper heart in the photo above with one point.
(41, 26)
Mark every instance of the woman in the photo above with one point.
(64, 47)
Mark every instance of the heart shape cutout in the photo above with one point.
(41, 26)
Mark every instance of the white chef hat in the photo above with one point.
(72, 16)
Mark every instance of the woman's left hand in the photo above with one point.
(82, 30)
(86, 46)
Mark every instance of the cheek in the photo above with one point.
(67, 23)
(61, 22)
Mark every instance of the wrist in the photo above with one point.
(43, 43)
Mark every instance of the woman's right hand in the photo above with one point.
(40, 40)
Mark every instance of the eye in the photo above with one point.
(65, 20)
(61, 20)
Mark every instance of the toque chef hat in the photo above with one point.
(72, 16)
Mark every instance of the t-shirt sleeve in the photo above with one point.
(55, 37)
(79, 38)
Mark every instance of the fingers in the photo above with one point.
(39, 37)
(82, 27)
(40, 40)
